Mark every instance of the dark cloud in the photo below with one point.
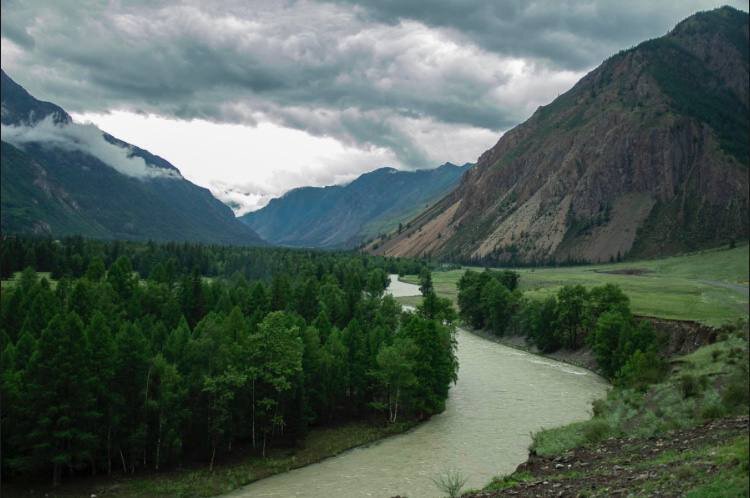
(368, 74)
(571, 34)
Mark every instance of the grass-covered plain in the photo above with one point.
(709, 287)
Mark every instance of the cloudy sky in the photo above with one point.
(252, 98)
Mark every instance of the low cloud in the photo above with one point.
(242, 199)
(85, 138)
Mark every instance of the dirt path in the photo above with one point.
(665, 466)
(740, 288)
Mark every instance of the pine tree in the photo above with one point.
(102, 357)
(60, 393)
(131, 374)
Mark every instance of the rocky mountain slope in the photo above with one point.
(646, 155)
(60, 178)
(346, 215)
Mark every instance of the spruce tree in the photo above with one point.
(60, 392)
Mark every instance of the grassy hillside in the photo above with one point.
(684, 436)
(710, 287)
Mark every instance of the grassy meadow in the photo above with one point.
(710, 286)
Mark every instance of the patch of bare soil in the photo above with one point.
(626, 271)
(660, 466)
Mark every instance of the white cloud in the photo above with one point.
(85, 138)
(244, 166)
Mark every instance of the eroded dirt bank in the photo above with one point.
(668, 465)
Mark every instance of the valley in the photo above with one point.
(345, 216)
(470, 249)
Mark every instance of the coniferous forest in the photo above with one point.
(126, 356)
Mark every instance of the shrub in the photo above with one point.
(690, 385)
(596, 430)
(712, 411)
(642, 370)
(736, 393)
(450, 483)
(599, 407)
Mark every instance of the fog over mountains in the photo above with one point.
(63, 178)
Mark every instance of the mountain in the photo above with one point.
(346, 215)
(61, 178)
(646, 155)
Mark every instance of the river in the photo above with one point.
(501, 397)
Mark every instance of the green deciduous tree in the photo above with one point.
(221, 390)
(395, 372)
(571, 314)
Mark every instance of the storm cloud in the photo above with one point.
(402, 83)
(366, 73)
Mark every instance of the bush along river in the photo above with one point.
(501, 397)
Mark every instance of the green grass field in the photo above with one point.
(710, 287)
(16, 276)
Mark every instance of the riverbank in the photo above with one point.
(582, 358)
(687, 432)
(493, 385)
(708, 460)
(679, 337)
(241, 469)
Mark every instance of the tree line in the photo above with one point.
(109, 369)
(626, 348)
(70, 256)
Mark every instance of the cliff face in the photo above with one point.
(646, 155)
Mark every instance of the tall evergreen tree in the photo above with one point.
(60, 392)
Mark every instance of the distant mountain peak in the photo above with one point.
(345, 215)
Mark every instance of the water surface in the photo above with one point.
(501, 397)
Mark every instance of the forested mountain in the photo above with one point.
(346, 215)
(61, 178)
(646, 155)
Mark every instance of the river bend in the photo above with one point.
(501, 397)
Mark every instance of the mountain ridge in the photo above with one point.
(646, 155)
(343, 216)
(55, 184)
